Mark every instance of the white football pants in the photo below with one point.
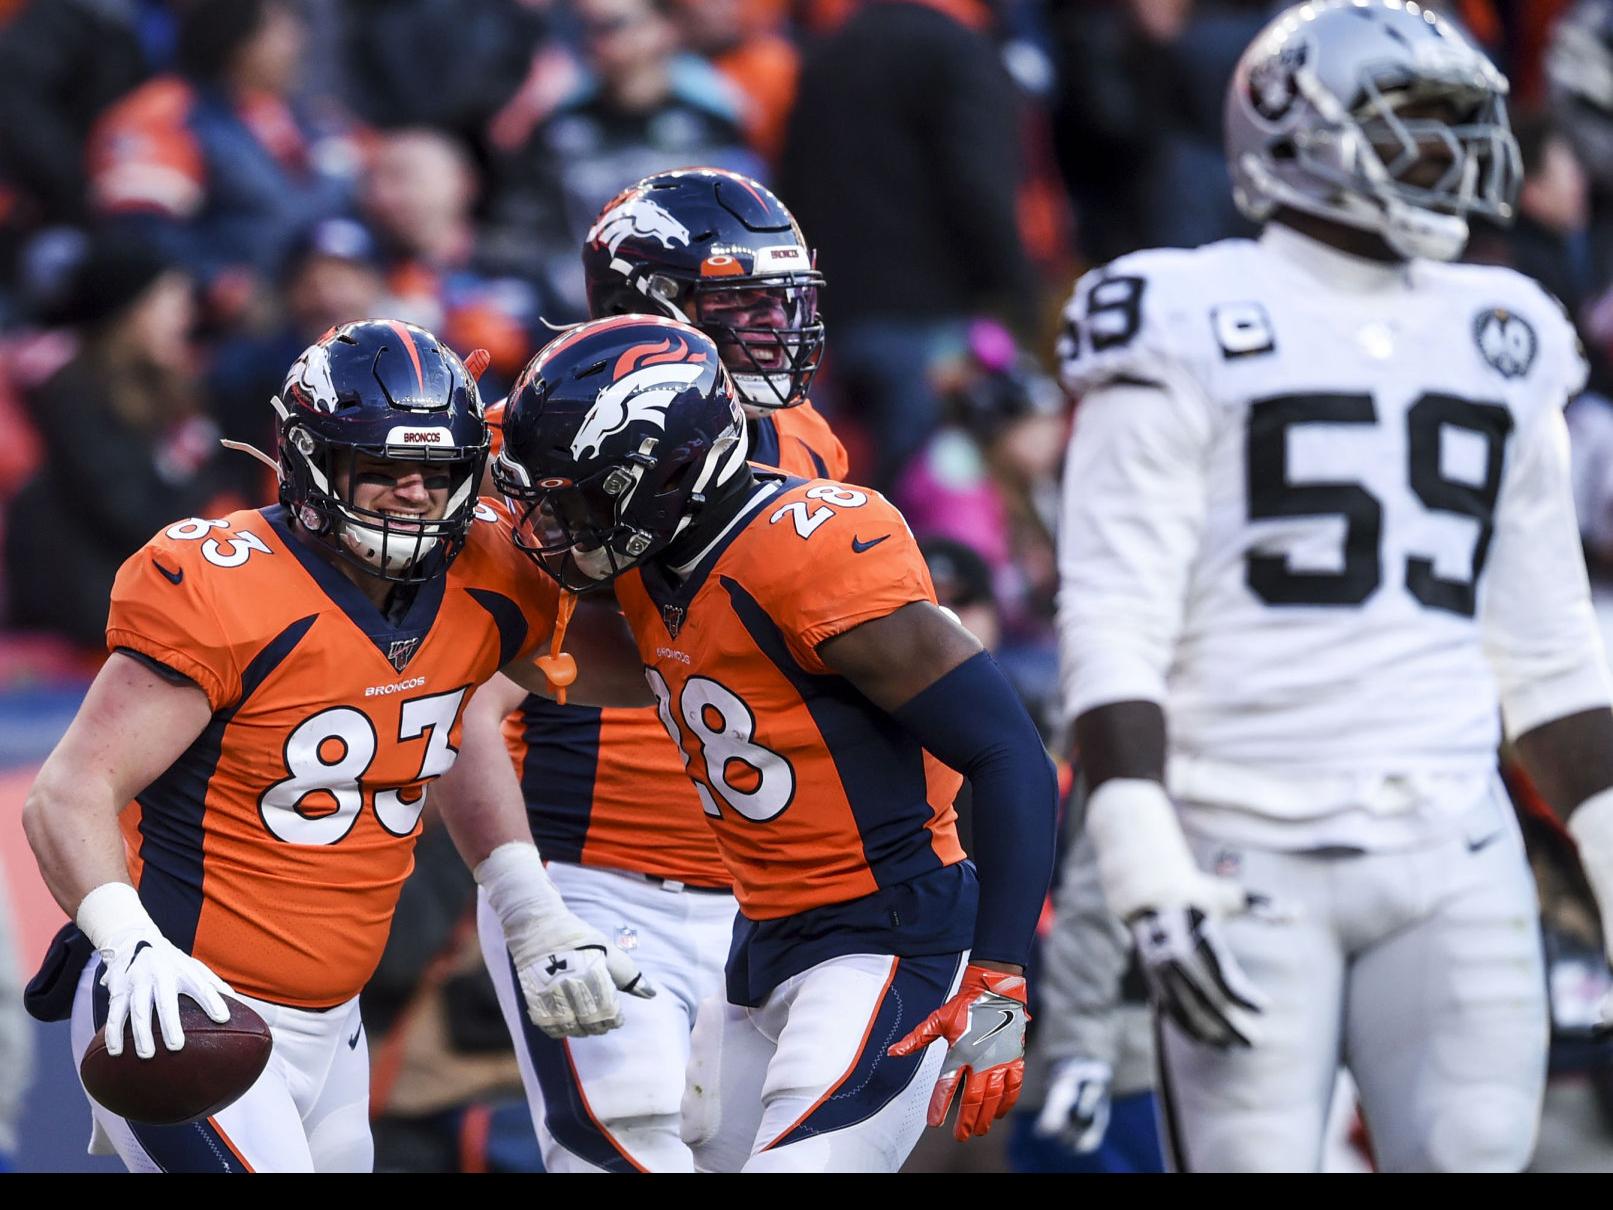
(308, 1112)
(610, 1103)
(803, 1083)
(1419, 970)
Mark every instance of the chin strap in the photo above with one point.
(560, 666)
(251, 451)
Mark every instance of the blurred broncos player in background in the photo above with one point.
(812, 689)
(611, 808)
(285, 685)
(1318, 517)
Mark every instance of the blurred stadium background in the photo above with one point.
(192, 190)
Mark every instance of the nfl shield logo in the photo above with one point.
(626, 939)
(672, 615)
(401, 652)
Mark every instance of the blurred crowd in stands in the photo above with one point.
(191, 191)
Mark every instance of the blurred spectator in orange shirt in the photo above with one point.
(744, 42)
(215, 164)
(419, 195)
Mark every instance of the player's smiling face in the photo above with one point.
(402, 490)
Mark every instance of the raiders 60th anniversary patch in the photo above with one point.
(1506, 341)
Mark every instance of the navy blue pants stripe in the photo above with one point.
(565, 1105)
(919, 987)
(193, 1147)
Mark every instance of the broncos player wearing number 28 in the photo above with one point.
(719, 251)
(820, 702)
(235, 807)
(1317, 528)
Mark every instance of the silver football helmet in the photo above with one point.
(1378, 114)
(1579, 70)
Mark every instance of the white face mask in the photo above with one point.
(389, 552)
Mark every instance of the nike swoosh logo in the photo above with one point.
(1484, 842)
(174, 577)
(352, 1043)
(1008, 1019)
(859, 547)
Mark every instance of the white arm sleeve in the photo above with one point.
(1540, 630)
(1133, 509)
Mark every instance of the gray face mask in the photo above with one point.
(1383, 118)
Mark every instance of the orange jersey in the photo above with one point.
(604, 787)
(816, 796)
(274, 848)
(798, 441)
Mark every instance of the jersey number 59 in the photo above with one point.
(1272, 495)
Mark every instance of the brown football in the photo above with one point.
(217, 1064)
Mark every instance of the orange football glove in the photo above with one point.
(984, 1026)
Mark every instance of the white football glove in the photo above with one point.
(1151, 881)
(569, 974)
(1076, 1111)
(144, 971)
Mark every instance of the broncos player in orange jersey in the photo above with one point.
(720, 251)
(822, 706)
(284, 686)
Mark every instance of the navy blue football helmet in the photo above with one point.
(392, 391)
(616, 436)
(719, 251)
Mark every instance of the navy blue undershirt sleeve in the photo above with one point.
(972, 720)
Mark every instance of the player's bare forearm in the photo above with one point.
(891, 660)
(479, 798)
(72, 828)
(1121, 739)
(131, 727)
(1569, 759)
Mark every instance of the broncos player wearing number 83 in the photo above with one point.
(1317, 519)
(234, 808)
(823, 706)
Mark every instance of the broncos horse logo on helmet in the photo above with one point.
(718, 251)
(616, 436)
(632, 214)
(646, 380)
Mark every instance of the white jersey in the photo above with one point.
(1319, 508)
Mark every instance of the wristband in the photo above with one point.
(110, 909)
(516, 882)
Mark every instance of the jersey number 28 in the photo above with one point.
(755, 782)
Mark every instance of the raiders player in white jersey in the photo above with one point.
(1317, 527)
